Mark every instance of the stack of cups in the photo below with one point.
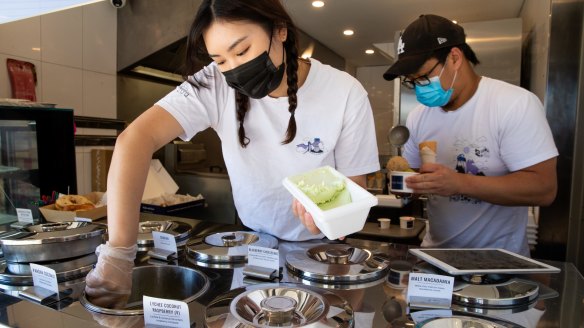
(406, 222)
(384, 223)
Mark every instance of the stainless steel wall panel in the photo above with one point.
(559, 225)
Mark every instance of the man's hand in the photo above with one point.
(436, 179)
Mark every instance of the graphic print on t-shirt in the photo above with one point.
(311, 145)
(472, 158)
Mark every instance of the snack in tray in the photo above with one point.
(73, 203)
(167, 199)
(428, 151)
(325, 189)
(398, 163)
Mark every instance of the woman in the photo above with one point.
(277, 115)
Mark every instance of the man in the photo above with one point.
(495, 151)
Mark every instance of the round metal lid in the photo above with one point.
(180, 230)
(17, 274)
(335, 285)
(278, 305)
(228, 247)
(512, 293)
(54, 232)
(463, 321)
(336, 264)
(59, 266)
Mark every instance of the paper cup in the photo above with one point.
(397, 181)
(406, 222)
(399, 273)
(384, 223)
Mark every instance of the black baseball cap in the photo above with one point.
(420, 39)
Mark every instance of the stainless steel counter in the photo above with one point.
(560, 304)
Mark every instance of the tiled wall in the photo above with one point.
(381, 95)
(74, 52)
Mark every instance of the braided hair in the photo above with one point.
(269, 14)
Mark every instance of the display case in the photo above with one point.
(37, 157)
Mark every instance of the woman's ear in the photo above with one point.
(281, 33)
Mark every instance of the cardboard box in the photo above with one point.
(158, 183)
(188, 209)
(100, 164)
(51, 214)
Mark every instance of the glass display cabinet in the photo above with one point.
(37, 157)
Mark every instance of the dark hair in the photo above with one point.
(442, 53)
(270, 14)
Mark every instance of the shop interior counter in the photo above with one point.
(558, 306)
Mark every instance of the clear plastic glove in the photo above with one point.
(109, 284)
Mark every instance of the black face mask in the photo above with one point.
(256, 78)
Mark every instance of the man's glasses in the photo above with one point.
(421, 80)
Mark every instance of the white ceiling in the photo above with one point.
(376, 21)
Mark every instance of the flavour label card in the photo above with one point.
(263, 257)
(159, 312)
(164, 241)
(44, 277)
(24, 215)
(430, 290)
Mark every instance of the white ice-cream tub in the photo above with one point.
(339, 221)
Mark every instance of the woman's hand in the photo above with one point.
(305, 217)
(109, 284)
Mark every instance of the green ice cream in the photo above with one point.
(324, 188)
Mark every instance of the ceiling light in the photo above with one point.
(307, 53)
(348, 32)
(369, 51)
(455, 22)
(157, 73)
(318, 4)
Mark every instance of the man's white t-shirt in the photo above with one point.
(501, 129)
(334, 127)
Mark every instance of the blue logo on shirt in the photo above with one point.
(471, 159)
(314, 146)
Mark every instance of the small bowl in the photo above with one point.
(339, 221)
(384, 223)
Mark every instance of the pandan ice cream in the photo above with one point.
(324, 188)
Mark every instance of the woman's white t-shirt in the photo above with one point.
(334, 127)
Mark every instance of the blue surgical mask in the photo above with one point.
(432, 95)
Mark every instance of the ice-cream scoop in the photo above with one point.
(398, 136)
